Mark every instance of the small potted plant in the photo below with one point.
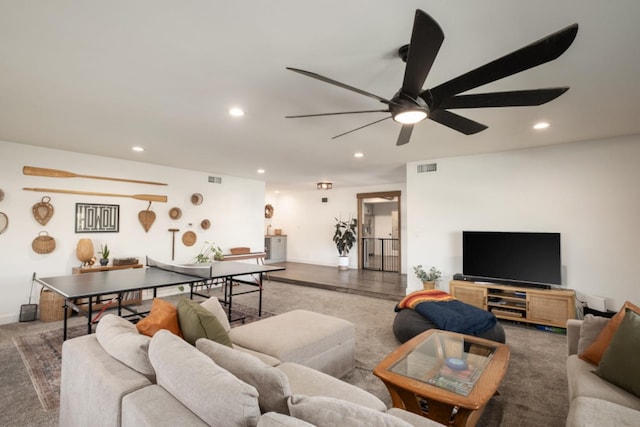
(428, 278)
(104, 254)
(344, 237)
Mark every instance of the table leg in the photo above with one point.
(89, 314)
(64, 328)
(260, 298)
(228, 284)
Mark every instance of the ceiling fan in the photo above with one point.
(412, 104)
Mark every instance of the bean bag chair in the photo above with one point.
(408, 323)
(434, 308)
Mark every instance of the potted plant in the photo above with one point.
(209, 252)
(428, 278)
(344, 237)
(104, 254)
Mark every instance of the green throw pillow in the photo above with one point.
(619, 361)
(198, 322)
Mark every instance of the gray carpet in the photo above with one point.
(533, 393)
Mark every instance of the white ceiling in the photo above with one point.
(101, 76)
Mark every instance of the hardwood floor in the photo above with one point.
(377, 284)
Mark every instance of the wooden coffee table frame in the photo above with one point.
(444, 406)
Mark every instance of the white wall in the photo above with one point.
(383, 219)
(235, 209)
(309, 223)
(587, 191)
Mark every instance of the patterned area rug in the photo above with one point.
(42, 354)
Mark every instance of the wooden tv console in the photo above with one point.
(550, 307)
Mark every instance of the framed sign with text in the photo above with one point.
(92, 218)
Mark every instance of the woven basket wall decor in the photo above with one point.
(43, 244)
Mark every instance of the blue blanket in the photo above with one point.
(457, 316)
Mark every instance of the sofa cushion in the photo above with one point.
(330, 412)
(154, 406)
(619, 364)
(213, 305)
(594, 352)
(309, 382)
(209, 391)
(272, 384)
(589, 330)
(414, 419)
(93, 382)
(589, 411)
(274, 419)
(266, 359)
(583, 382)
(163, 315)
(122, 341)
(198, 322)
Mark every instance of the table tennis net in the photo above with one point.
(204, 271)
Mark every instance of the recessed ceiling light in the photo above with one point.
(137, 148)
(260, 170)
(236, 112)
(541, 125)
(358, 155)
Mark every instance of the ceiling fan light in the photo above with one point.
(410, 117)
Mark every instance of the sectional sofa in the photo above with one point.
(120, 377)
(594, 400)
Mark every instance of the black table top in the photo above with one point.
(116, 281)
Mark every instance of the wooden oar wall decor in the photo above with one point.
(55, 173)
(145, 197)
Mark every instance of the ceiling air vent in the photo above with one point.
(428, 167)
(215, 179)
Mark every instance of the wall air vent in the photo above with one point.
(215, 179)
(428, 167)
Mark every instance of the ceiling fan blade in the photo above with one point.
(337, 114)
(337, 83)
(537, 53)
(456, 122)
(426, 39)
(405, 134)
(516, 98)
(361, 127)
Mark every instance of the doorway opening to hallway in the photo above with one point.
(379, 223)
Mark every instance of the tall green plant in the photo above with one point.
(345, 235)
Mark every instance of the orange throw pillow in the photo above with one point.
(594, 352)
(163, 315)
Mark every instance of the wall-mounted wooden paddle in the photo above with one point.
(146, 197)
(55, 173)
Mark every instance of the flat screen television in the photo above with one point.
(515, 258)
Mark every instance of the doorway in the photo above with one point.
(379, 246)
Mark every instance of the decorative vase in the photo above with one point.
(84, 250)
(104, 261)
(343, 263)
(429, 285)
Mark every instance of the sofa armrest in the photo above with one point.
(573, 335)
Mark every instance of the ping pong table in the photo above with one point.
(95, 286)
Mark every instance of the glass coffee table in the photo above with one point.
(445, 376)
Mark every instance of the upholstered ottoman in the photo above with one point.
(312, 339)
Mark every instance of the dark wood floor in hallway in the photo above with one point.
(377, 284)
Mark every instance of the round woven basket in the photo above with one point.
(43, 244)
